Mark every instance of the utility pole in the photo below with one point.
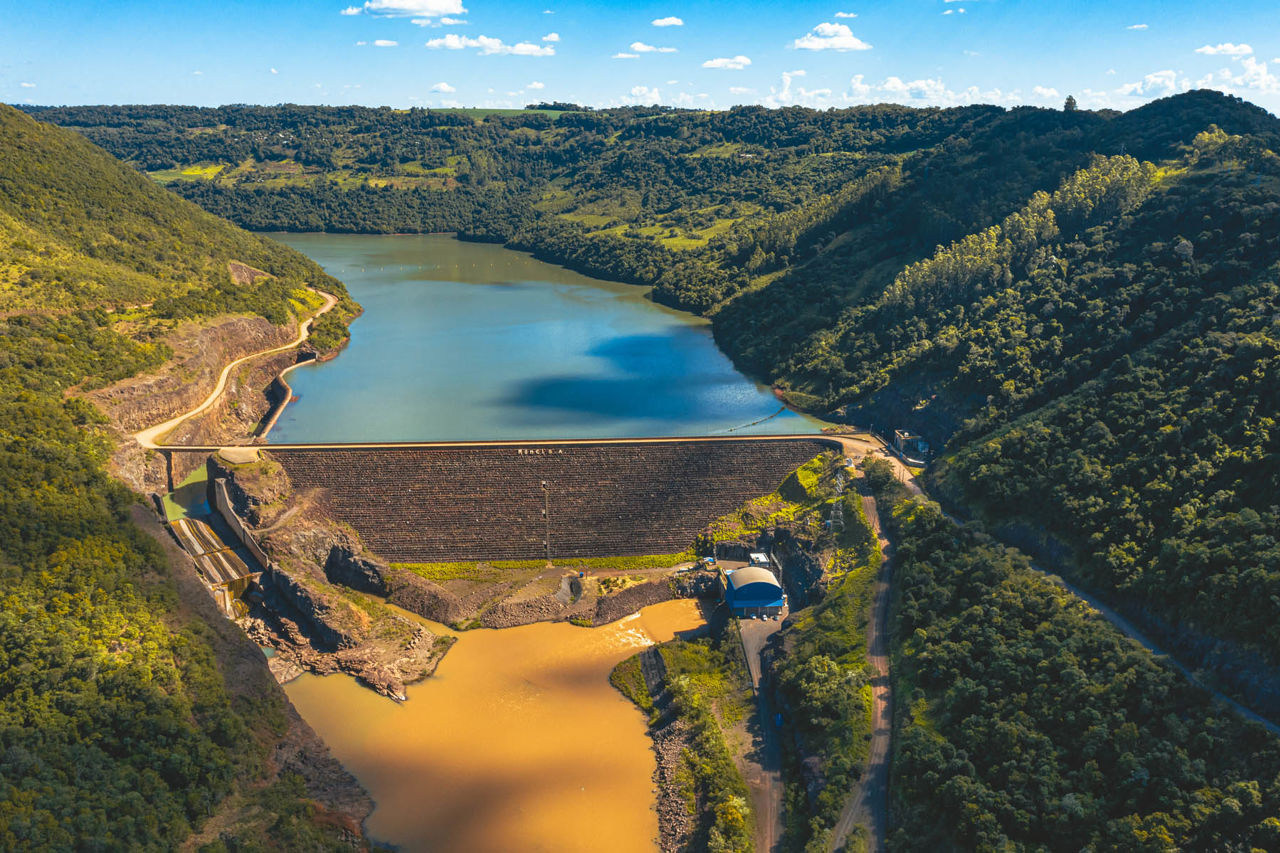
(546, 514)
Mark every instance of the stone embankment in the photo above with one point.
(439, 504)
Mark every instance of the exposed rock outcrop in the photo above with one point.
(328, 618)
(348, 568)
(421, 596)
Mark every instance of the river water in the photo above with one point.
(474, 341)
(518, 742)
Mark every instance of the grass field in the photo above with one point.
(501, 569)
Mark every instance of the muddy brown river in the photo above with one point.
(518, 742)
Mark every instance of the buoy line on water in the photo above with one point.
(781, 409)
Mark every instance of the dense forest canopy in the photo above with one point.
(1028, 723)
(118, 729)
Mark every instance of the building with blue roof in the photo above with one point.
(753, 591)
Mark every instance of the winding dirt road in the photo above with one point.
(150, 437)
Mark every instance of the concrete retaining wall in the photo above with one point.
(222, 501)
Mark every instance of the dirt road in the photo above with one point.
(762, 767)
(150, 437)
(868, 803)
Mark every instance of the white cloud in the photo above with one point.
(489, 46)
(385, 43)
(443, 22)
(645, 95)
(641, 47)
(827, 36)
(536, 85)
(733, 63)
(670, 21)
(1136, 27)
(443, 88)
(27, 85)
(959, 11)
(1157, 84)
(273, 71)
(846, 14)
(551, 37)
(929, 89)
(408, 8)
(688, 99)
(934, 92)
(921, 92)
(361, 43)
(626, 56)
(788, 95)
(1253, 78)
(1225, 49)
(1044, 92)
(547, 12)
(197, 73)
(741, 90)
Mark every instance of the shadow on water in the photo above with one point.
(653, 383)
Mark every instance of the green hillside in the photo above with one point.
(118, 729)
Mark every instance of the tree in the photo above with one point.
(1070, 105)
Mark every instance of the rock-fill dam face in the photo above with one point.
(505, 501)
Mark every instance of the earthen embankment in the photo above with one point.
(421, 504)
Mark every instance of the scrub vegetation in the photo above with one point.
(706, 694)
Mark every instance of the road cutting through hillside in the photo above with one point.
(150, 437)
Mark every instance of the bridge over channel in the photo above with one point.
(510, 500)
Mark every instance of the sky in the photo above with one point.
(684, 53)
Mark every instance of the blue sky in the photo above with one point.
(693, 53)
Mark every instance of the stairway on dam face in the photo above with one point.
(487, 502)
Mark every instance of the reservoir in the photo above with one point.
(475, 341)
(518, 742)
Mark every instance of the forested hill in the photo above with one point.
(118, 728)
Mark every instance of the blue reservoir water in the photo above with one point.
(472, 341)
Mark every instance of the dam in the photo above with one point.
(516, 500)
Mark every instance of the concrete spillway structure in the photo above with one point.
(509, 500)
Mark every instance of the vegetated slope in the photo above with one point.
(1025, 721)
(1129, 320)
(117, 726)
